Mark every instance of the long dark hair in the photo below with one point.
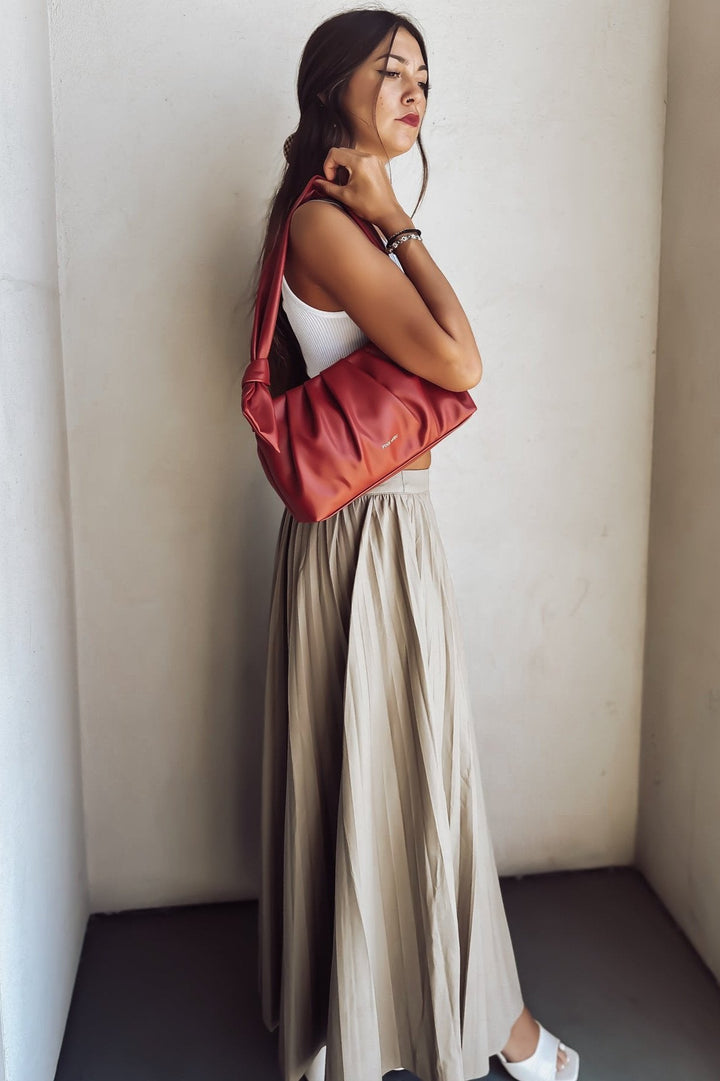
(333, 52)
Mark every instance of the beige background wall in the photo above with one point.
(545, 138)
(43, 887)
(679, 828)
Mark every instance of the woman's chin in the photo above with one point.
(405, 140)
(392, 147)
(397, 147)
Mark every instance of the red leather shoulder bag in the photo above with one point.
(340, 433)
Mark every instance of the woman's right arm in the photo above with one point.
(415, 316)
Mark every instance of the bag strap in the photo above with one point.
(270, 287)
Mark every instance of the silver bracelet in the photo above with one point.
(401, 240)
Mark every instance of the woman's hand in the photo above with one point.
(368, 190)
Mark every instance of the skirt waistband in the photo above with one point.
(407, 480)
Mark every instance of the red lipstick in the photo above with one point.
(411, 118)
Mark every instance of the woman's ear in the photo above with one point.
(322, 98)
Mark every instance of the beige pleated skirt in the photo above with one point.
(382, 932)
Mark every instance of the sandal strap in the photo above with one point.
(542, 1064)
(547, 1049)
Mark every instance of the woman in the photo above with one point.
(383, 938)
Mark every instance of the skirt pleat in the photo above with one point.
(382, 932)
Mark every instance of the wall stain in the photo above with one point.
(583, 595)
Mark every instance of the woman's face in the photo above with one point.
(402, 95)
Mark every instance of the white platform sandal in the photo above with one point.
(542, 1064)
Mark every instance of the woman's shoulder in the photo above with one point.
(319, 211)
(324, 223)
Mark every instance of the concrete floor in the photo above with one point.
(170, 994)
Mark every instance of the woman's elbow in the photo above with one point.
(467, 372)
(475, 372)
(454, 369)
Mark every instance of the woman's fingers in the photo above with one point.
(343, 156)
(333, 190)
(338, 168)
(358, 180)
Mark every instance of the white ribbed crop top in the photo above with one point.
(323, 337)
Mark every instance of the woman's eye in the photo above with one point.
(396, 74)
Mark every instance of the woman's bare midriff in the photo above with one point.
(422, 462)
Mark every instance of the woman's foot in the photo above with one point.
(523, 1041)
(524, 1038)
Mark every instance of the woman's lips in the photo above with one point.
(412, 119)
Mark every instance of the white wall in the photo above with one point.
(43, 888)
(548, 132)
(545, 137)
(679, 828)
